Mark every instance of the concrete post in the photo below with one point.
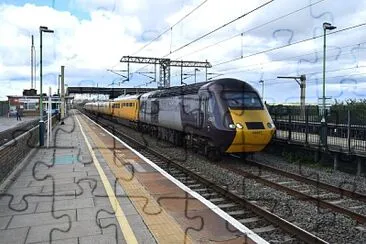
(49, 124)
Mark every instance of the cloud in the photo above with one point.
(92, 45)
(88, 46)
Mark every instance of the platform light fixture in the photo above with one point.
(326, 26)
(41, 122)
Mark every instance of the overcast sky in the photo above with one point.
(91, 36)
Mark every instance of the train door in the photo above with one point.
(202, 115)
(155, 112)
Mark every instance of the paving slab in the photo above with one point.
(63, 231)
(93, 214)
(47, 218)
(14, 236)
(63, 241)
(15, 209)
(65, 204)
(4, 221)
(107, 238)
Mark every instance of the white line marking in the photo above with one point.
(120, 216)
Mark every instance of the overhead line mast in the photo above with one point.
(165, 64)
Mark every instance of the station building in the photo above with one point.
(28, 104)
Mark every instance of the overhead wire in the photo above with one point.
(290, 44)
(171, 27)
(251, 29)
(314, 73)
(168, 29)
(161, 34)
(218, 28)
(240, 70)
(314, 79)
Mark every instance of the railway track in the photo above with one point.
(324, 195)
(266, 224)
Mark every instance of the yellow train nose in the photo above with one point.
(254, 130)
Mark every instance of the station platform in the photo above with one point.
(10, 122)
(89, 187)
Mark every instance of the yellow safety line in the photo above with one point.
(121, 218)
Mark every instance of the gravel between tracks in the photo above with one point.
(326, 175)
(329, 226)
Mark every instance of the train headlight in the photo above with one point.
(232, 126)
(270, 125)
(239, 126)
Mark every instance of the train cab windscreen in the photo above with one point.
(242, 100)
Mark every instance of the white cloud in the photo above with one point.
(87, 47)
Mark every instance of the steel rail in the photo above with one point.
(285, 225)
(343, 192)
(304, 197)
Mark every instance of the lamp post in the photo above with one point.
(262, 82)
(41, 122)
(326, 26)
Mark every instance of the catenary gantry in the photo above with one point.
(164, 66)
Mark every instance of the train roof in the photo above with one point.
(127, 97)
(222, 84)
(229, 84)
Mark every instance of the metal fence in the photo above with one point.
(344, 129)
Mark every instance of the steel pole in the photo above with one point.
(35, 68)
(32, 47)
(324, 57)
(58, 85)
(62, 94)
(323, 136)
(302, 96)
(49, 118)
(41, 122)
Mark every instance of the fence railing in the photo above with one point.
(343, 130)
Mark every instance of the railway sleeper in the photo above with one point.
(268, 228)
(194, 185)
(337, 201)
(249, 220)
(198, 190)
(217, 200)
(226, 205)
(358, 207)
(189, 181)
(235, 213)
(208, 194)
